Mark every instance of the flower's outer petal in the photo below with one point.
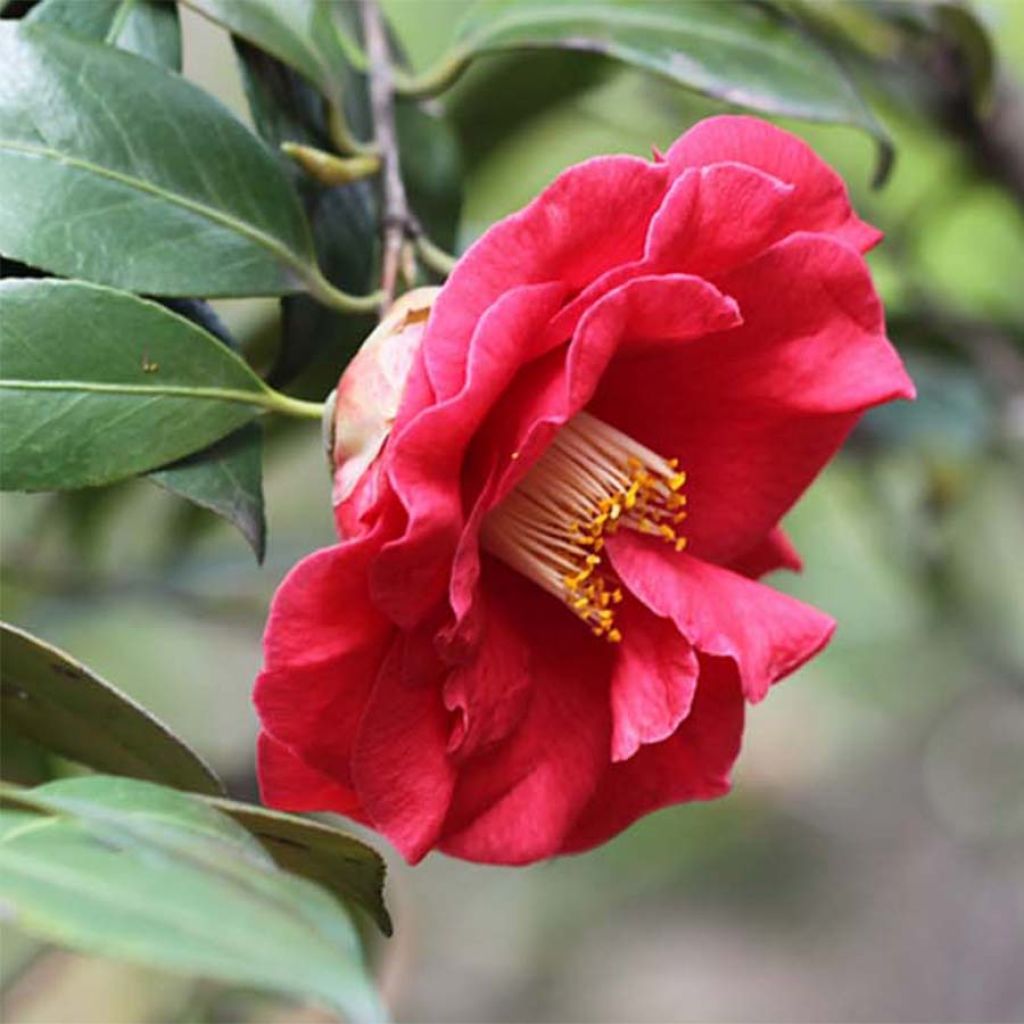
(821, 202)
(593, 217)
(400, 767)
(718, 217)
(425, 458)
(289, 784)
(323, 647)
(658, 311)
(775, 551)
(516, 800)
(653, 681)
(694, 763)
(766, 633)
(754, 413)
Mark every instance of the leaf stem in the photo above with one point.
(434, 257)
(322, 290)
(434, 80)
(295, 407)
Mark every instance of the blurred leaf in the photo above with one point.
(960, 23)
(102, 181)
(307, 35)
(286, 108)
(54, 701)
(339, 862)
(140, 387)
(743, 53)
(226, 478)
(146, 27)
(133, 870)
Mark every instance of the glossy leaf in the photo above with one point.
(146, 27)
(120, 172)
(56, 702)
(122, 868)
(334, 859)
(139, 387)
(743, 53)
(227, 477)
(308, 35)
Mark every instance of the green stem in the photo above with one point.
(117, 24)
(434, 257)
(295, 407)
(322, 290)
(434, 80)
(341, 135)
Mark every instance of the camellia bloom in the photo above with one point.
(557, 484)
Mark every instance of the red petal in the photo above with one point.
(775, 551)
(692, 764)
(516, 800)
(425, 458)
(767, 634)
(755, 413)
(400, 768)
(821, 202)
(653, 682)
(323, 647)
(559, 236)
(289, 784)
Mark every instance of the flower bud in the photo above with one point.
(370, 390)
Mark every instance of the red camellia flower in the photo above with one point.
(557, 484)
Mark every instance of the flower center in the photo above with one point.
(592, 481)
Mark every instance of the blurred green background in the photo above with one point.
(869, 865)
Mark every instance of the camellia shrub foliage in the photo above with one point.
(557, 464)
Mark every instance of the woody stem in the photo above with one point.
(395, 218)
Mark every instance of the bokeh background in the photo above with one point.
(869, 865)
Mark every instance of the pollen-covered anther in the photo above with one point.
(591, 482)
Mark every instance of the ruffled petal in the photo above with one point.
(718, 217)
(400, 767)
(753, 414)
(557, 237)
(323, 646)
(425, 458)
(290, 784)
(821, 202)
(694, 763)
(516, 800)
(766, 633)
(653, 681)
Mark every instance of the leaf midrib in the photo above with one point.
(255, 397)
(268, 242)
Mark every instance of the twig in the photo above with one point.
(395, 207)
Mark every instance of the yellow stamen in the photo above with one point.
(592, 480)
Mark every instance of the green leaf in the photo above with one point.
(54, 701)
(120, 172)
(308, 35)
(227, 477)
(743, 53)
(146, 27)
(99, 385)
(286, 108)
(128, 869)
(339, 862)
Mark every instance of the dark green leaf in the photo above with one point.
(743, 53)
(118, 171)
(226, 478)
(308, 35)
(52, 700)
(286, 108)
(138, 388)
(146, 27)
(339, 862)
(128, 869)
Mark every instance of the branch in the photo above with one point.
(394, 205)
